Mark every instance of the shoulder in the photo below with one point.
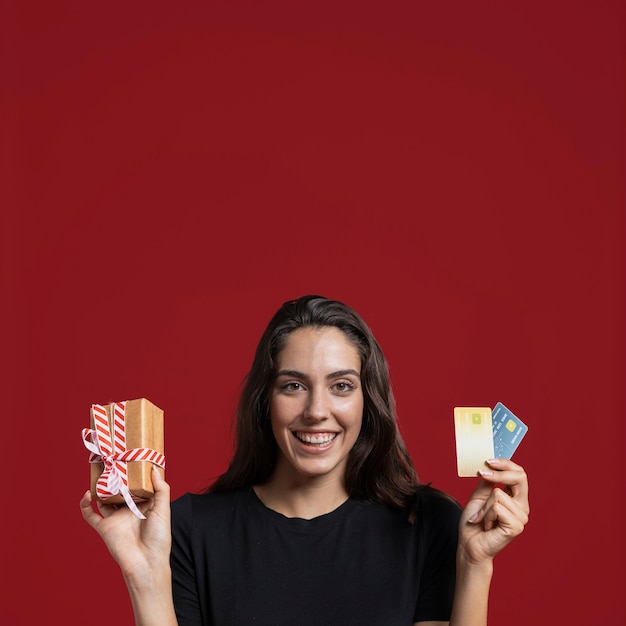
(201, 508)
(426, 495)
(434, 508)
(202, 501)
(429, 510)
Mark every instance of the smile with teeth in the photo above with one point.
(315, 439)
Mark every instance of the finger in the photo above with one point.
(159, 504)
(161, 490)
(504, 505)
(511, 504)
(503, 499)
(106, 510)
(504, 464)
(510, 522)
(481, 500)
(475, 509)
(483, 490)
(86, 508)
(161, 487)
(490, 517)
(513, 476)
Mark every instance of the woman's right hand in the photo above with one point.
(140, 547)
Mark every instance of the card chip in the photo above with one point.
(475, 418)
(511, 425)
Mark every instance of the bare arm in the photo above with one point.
(142, 550)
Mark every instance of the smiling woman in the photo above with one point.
(316, 409)
(319, 518)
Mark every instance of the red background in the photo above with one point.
(172, 172)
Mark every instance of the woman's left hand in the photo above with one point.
(494, 515)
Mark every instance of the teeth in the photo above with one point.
(322, 438)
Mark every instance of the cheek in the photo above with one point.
(278, 417)
(354, 419)
(358, 410)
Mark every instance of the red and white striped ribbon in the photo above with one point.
(108, 445)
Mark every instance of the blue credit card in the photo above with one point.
(508, 431)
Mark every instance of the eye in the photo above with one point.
(292, 385)
(343, 386)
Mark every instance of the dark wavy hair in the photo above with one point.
(379, 468)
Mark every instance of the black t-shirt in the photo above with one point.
(234, 561)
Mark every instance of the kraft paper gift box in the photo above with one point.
(143, 431)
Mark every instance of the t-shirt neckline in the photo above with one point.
(299, 523)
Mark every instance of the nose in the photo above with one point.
(317, 408)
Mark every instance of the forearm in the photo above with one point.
(471, 595)
(151, 598)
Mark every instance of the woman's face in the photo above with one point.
(316, 403)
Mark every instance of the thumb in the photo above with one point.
(475, 509)
(86, 508)
(483, 490)
(161, 487)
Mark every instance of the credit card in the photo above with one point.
(508, 431)
(474, 439)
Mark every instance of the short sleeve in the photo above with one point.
(437, 517)
(184, 583)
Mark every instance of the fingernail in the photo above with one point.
(485, 473)
(493, 461)
(472, 518)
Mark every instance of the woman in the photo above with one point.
(319, 518)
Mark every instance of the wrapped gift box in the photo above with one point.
(142, 427)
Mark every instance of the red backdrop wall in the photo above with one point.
(173, 172)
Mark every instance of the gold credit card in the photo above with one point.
(474, 439)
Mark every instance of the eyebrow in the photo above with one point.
(337, 374)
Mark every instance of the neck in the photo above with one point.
(304, 497)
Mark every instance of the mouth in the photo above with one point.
(318, 440)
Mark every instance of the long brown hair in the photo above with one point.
(379, 467)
